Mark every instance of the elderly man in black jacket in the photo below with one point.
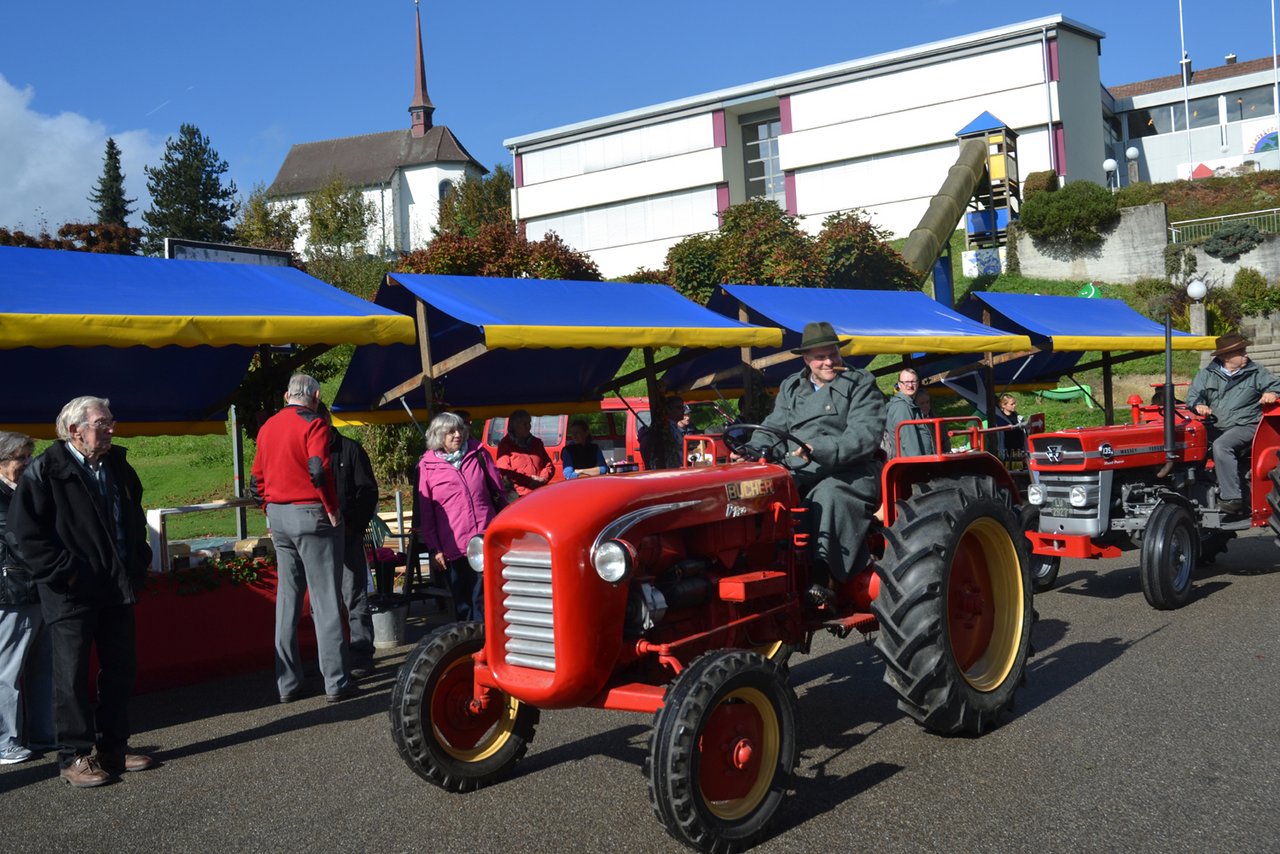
(76, 519)
(358, 501)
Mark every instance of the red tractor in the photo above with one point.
(1101, 491)
(679, 594)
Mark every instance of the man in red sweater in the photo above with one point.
(293, 481)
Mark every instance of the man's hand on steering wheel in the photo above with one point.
(738, 439)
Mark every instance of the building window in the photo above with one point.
(1249, 104)
(1204, 113)
(764, 177)
(1149, 122)
(445, 186)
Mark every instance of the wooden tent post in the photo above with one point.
(1108, 400)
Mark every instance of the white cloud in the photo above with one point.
(49, 164)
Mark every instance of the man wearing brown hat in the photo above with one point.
(1233, 389)
(839, 415)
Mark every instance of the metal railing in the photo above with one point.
(1187, 230)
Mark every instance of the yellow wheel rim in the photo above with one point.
(743, 724)
(984, 606)
(465, 734)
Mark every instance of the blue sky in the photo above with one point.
(259, 75)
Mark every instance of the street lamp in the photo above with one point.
(1132, 154)
(1196, 289)
(1109, 166)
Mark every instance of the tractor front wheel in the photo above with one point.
(1044, 569)
(1170, 547)
(440, 732)
(955, 605)
(722, 751)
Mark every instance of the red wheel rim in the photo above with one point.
(737, 752)
(464, 732)
(985, 603)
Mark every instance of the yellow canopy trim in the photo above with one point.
(125, 330)
(874, 345)
(128, 429)
(1113, 342)
(517, 337)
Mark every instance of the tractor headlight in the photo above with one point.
(614, 560)
(1035, 494)
(1078, 496)
(475, 553)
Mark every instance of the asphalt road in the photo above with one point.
(1137, 730)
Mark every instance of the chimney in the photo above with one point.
(1230, 59)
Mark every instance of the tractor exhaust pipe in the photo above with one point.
(1170, 456)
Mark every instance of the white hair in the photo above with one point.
(442, 425)
(302, 388)
(73, 414)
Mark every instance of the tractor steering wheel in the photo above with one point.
(738, 439)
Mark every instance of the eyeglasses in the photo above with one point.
(908, 382)
(101, 424)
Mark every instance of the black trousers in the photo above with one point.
(79, 726)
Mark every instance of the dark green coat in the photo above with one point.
(843, 423)
(916, 439)
(1236, 401)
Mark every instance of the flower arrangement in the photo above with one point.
(241, 569)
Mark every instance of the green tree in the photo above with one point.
(501, 250)
(108, 200)
(468, 206)
(265, 225)
(338, 218)
(1075, 215)
(761, 244)
(854, 253)
(188, 197)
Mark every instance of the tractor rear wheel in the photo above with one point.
(1170, 548)
(722, 751)
(437, 730)
(1044, 569)
(955, 606)
(1273, 501)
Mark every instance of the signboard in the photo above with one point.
(224, 253)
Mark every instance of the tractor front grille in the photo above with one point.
(526, 600)
(1057, 513)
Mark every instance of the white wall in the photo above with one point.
(1079, 105)
(637, 180)
(621, 148)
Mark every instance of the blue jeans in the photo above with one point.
(26, 677)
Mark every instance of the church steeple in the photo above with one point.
(421, 109)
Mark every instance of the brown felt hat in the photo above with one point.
(1230, 344)
(818, 334)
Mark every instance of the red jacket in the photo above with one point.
(522, 465)
(292, 462)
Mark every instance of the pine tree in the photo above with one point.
(188, 198)
(110, 205)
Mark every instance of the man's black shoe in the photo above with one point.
(1231, 506)
(820, 596)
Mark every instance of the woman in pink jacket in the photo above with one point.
(459, 491)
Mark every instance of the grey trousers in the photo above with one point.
(308, 555)
(355, 596)
(26, 678)
(1233, 446)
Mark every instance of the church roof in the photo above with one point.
(363, 161)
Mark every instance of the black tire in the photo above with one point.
(1170, 552)
(955, 606)
(1042, 568)
(436, 732)
(1273, 501)
(722, 751)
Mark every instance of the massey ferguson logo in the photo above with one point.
(1054, 453)
(1106, 451)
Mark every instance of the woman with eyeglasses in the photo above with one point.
(26, 663)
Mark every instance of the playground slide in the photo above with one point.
(928, 239)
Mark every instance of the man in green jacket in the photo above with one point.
(914, 440)
(839, 415)
(1233, 389)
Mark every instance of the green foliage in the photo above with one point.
(500, 249)
(691, 267)
(394, 451)
(1232, 240)
(854, 253)
(338, 218)
(265, 225)
(1207, 197)
(646, 276)
(468, 206)
(359, 275)
(1039, 182)
(1072, 216)
(759, 243)
(188, 198)
(110, 205)
(105, 239)
(1180, 260)
(1252, 294)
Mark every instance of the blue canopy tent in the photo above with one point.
(1062, 329)
(489, 344)
(167, 341)
(908, 323)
